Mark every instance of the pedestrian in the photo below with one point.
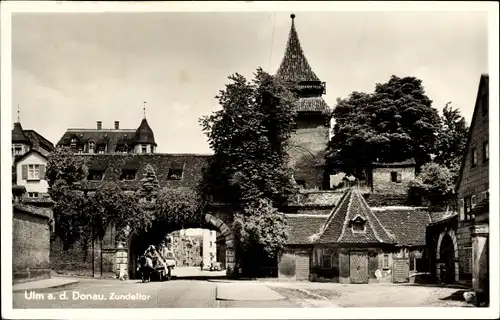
(201, 266)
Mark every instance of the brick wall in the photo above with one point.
(307, 151)
(382, 182)
(30, 247)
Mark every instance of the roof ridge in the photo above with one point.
(346, 216)
(333, 214)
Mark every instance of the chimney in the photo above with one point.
(117, 124)
(99, 125)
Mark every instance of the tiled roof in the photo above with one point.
(110, 137)
(301, 227)
(18, 135)
(312, 104)
(144, 134)
(294, 66)
(38, 141)
(113, 164)
(407, 225)
(405, 163)
(351, 207)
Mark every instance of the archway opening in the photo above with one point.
(196, 246)
(447, 257)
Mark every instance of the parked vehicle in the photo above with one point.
(215, 266)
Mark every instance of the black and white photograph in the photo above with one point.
(272, 159)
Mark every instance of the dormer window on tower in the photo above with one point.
(358, 224)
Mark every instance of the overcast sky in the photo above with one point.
(71, 70)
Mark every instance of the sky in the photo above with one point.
(72, 70)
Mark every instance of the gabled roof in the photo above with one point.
(38, 141)
(401, 164)
(302, 226)
(30, 152)
(144, 134)
(18, 135)
(353, 205)
(483, 85)
(406, 224)
(294, 66)
(312, 104)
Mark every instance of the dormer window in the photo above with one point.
(101, 148)
(95, 175)
(358, 224)
(128, 174)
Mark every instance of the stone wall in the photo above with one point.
(383, 184)
(307, 151)
(30, 246)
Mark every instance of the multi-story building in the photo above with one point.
(209, 248)
(459, 241)
(116, 140)
(29, 154)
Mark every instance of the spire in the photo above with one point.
(18, 135)
(144, 109)
(144, 134)
(18, 114)
(294, 66)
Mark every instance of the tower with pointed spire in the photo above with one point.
(313, 115)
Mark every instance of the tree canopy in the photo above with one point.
(435, 183)
(394, 123)
(249, 137)
(452, 140)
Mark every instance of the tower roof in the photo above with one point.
(18, 135)
(352, 207)
(294, 66)
(144, 134)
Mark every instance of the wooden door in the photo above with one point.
(358, 262)
(400, 270)
(302, 266)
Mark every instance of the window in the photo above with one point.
(358, 226)
(210, 244)
(461, 209)
(467, 207)
(17, 150)
(33, 194)
(34, 172)
(101, 148)
(175, 174)
(326, 261)
(143, 149)
(91, 145)
(474, 157)
(128, 175)
(486, 151)
(473, 201)
(396, 176)
(95, 175)
(385, 264)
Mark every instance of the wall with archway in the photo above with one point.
(126, 253)
(450, 232)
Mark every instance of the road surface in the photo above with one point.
(192, 289)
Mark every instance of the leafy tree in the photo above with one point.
(435, 183)
(63, 165)
(249, 137)
(394, 123)
(260, 234)
(452, 140)
(149, 183)
(176, 205)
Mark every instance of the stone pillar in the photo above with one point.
(230, 262)
(479, 256)
(121, 261)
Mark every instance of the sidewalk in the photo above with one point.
(246, 292)
(44, 284)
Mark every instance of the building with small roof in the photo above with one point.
(356, 243)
